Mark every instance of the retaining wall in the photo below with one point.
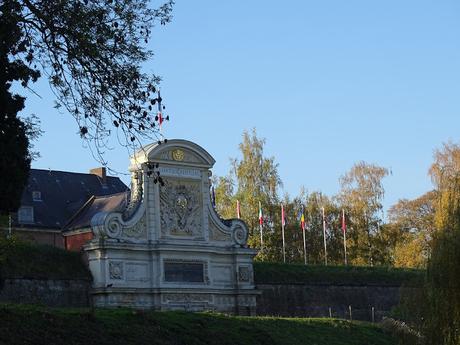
(289, 300)
(50, 292)
(314, 300)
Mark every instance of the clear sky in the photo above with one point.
(327, 83)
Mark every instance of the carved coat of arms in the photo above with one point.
(181, 205)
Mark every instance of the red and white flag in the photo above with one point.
(159, 115)
(283, 216)
(261, 217)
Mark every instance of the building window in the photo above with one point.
(36, 196)
(26, 214)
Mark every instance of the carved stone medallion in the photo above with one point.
(243, 274)
(178, 155)
(116, 269)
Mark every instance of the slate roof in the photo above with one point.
(62, 195)
(82, 219)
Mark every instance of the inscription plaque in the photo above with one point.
(190, 272)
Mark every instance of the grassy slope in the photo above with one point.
(35, 325)
(24, 260)
(342, 275)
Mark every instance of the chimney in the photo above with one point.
(101, 172)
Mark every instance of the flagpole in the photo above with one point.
(261, 227)
(261, 237)
(282, 231)
(304, 246)
(324, 237)
(302, 225)
(344, 229)
(238, 209)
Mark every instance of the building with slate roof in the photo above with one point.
(52, 200)
(78, 230)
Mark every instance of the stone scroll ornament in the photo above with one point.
(112, 226)
(239, 231)
(128, 225)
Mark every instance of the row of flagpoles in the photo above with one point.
(302, 225)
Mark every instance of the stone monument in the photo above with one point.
(169, 249)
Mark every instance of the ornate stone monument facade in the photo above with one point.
(169, 249)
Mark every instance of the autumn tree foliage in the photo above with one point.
(443, 317)
(410, 230)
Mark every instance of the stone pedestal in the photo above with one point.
(169, 250)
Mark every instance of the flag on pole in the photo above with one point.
(238, 209)
(302, 221)
(283, 216)
(160, 114)
(261, 218)
(261, 222)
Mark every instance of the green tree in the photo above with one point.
(443, 317)
(14, 142)
(257, 180)
(254, 178)
(224, 193)
(410, 230)
(91, 52)
(361, 196)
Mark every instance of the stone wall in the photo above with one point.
(314, 300)
(53, 293)
(289, 300)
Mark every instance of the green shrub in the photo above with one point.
(25, 260)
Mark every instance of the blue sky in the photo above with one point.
(327, 83)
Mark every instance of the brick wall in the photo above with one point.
(75, 242)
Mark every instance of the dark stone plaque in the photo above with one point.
(190, 272)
